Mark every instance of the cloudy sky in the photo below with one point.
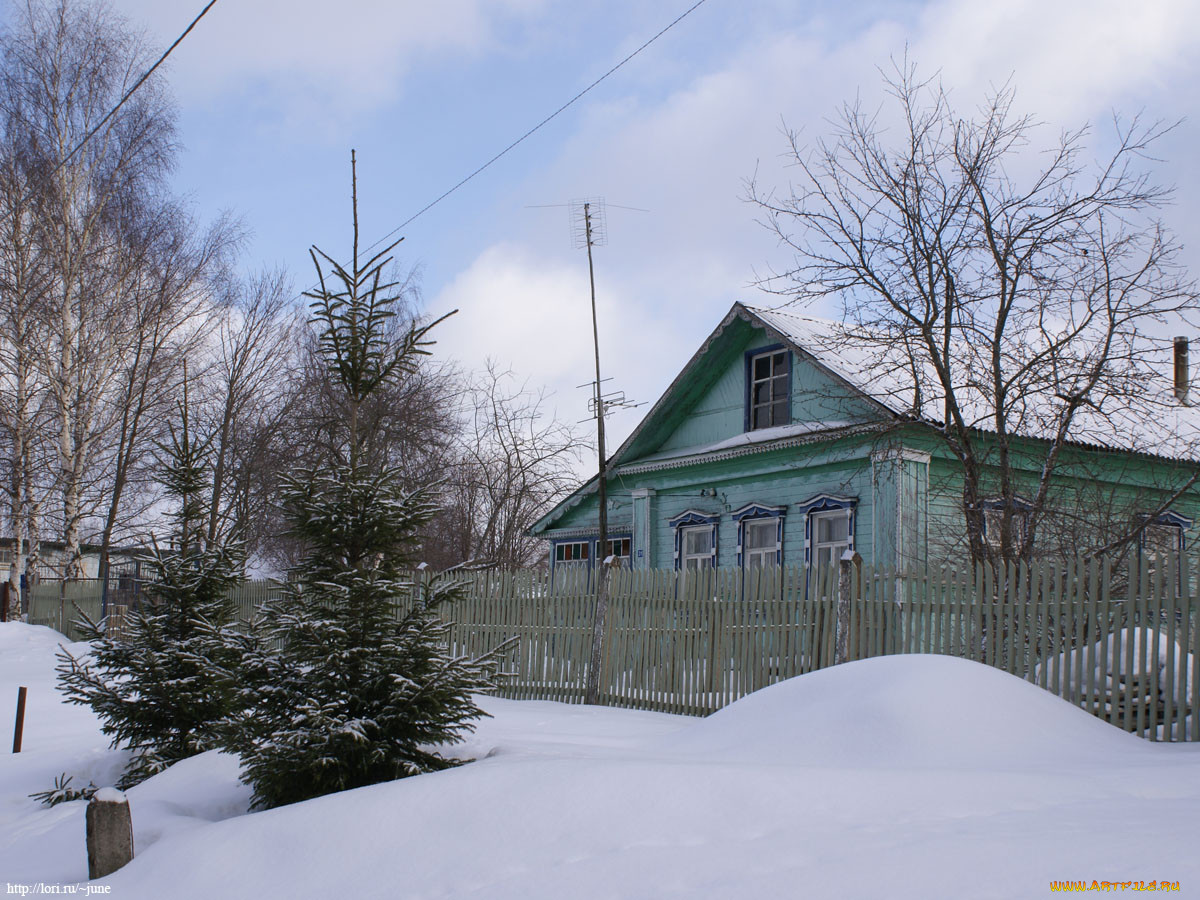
(274, 93)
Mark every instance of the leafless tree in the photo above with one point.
(1014, 301)
(247, 401)
(126, 273)
(167, 302)
(23, 395)
(513, 463)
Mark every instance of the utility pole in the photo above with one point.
(592, 692)
(589, 230)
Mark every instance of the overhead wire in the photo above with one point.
(539, 125)
(129, 93)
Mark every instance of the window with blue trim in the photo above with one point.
(619, 550)
(695, 539)
(768, 388)
(573, 554)
(760, 535)
(828, 528)
(582, 552)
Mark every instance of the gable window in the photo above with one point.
(993, 521)
(1162, 538)
(768, 388)
(760, 535)
(695, 539)
(828, 528)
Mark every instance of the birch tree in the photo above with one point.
(167, 290)
(65, 66)
(23, 397)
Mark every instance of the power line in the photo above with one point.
(539, 125)
(129, 93)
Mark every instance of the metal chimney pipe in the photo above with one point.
(1182, 376)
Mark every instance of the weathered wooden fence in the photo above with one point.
(1127, 650)
(1124, 645)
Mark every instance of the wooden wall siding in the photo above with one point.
(899, 535)
(719, 413)
(781, 478)
(1123, 645)
(787, 488)
(1115, 499)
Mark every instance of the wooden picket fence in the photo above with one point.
(1124, 644)
(1125, 648)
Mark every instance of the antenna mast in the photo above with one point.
(590, 230)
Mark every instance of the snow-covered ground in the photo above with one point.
(888, 778)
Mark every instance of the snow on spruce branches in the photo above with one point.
(352, 682)
(162, 686)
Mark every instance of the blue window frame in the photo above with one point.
(619, 545)
(760, 535)
(828, 528)
(572, 552)
(768, 387)
(695, 539)
(583, 551)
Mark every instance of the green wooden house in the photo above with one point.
(772, 447)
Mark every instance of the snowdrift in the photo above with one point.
(952, 779)
(906, 711)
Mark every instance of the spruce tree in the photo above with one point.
(358, 686)
(162, 685)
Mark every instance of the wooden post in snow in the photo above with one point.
(109, 832)
(847, 569)
(19, 725)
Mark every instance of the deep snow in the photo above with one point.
(893, 777)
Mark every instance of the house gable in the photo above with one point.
(707, 404)
(704, 412)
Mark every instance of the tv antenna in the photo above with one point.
(589, 228)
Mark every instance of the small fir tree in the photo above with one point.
(161, 686)
(359, 686)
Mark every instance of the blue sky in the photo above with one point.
(273, 94)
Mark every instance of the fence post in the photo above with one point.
(847, 568)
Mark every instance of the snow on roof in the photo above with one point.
(1158, 424)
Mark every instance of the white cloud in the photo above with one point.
(1069, 60)
(671, 274)
(533, 313)
(350, 55)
